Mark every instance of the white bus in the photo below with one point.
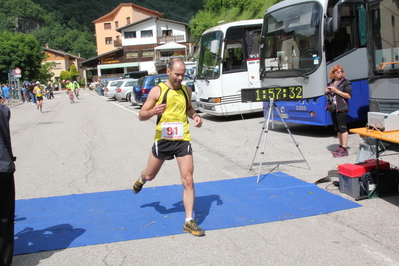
(299, 45)
(228, 60)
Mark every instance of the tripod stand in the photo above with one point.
(265, 130)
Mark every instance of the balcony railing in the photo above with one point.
(117, 43)
(166, 39)
(165, 60)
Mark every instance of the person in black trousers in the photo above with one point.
(7, 190)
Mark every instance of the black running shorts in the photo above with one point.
(168, 149)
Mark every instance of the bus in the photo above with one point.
(228, 60)
(299, 45)
(383, 54)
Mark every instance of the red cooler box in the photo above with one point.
(349, 175)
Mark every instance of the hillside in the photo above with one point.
(84, 12)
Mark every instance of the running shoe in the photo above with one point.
(138, 185)
(337, 150)
(192, 227)
(341, 154)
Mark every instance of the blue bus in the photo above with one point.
(300, 44)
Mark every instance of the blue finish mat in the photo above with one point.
(106, 217)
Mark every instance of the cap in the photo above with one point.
(37, 82)
(74, 81)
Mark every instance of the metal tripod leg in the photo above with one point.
(265, 130)
(292, 137)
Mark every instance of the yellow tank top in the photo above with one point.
(173, 123)
(39, 92)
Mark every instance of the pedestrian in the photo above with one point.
(31, 94)
(7, 189)
(38, 91)
(2, 99)
(338, 92)
(100, 87)
(6, 93)
(170, 101)
(23, 92)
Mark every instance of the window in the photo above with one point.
(128, 20)
(167, 33)
(147, 53)
(130, 34)
(108, 40)
(116, 24)
(131, 54)
(56, 56)
(107, 26)
(146, 33)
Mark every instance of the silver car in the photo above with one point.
(110, 88)
(124, 90)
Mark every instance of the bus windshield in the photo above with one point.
(384, 38)
(210, 55)
(290, 42)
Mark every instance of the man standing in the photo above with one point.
(171, 103)
(31, 94)
(7, 189)
(6, 93)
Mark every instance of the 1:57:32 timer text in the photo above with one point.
(283, 93)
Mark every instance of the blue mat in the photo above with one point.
(106, 217)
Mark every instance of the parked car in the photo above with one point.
(124, 90)
(194, 94)
(144, 85)
(110, 88)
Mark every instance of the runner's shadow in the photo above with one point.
(202, 206)
(51, 238)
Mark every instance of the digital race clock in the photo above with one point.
(275, 93)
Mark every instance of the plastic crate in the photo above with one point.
(349, 175)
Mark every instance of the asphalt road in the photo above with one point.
(98, 145)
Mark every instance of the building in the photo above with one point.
(63, 62)
(144, 44)
(107, 36)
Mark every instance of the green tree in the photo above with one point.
(45, 73)
(20, 50)
(65, 75)
(227, 11)
(73, 71)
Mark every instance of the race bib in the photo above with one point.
(172, 130)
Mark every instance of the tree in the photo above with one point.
(45, 73)
(20, 50)
(65, 75)
(73, 71)
(226, 11)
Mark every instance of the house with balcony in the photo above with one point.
(144, 45)
(107, 37)
(63, 62)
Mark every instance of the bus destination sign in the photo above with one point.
(275, 93)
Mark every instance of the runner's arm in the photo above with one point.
(149, 109)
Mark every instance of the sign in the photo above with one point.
(17, 71)
(275, 93)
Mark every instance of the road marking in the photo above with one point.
(123, 107)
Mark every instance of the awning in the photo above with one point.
(171, 46)
(108, 66)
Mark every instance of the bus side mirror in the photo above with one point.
(215, 47)
(328, 30)
(336, 17)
